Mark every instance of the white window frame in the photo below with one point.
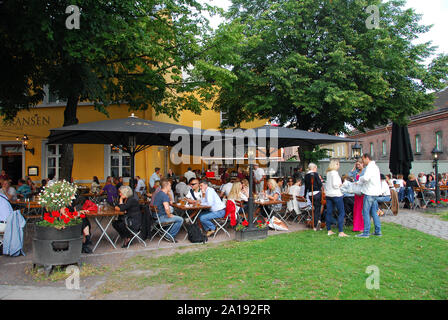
(372, 149)
(418, 143)
(439, 140)
(45, 156)
(384, 148)
(108, 162)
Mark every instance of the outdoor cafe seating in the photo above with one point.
(161, 229)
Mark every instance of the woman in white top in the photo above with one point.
(294, 191)
(334, 198)
(95, 187)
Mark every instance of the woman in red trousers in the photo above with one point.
(358, 221)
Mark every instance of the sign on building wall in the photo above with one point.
(30, 121)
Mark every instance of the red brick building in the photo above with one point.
(426, 130)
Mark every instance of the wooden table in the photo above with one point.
(29, 209)
(109, 214)
(196, 210)
(267, 203)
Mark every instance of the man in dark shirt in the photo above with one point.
(162, 203)
(313, 187)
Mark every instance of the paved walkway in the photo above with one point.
(16, 287)
(420, 221)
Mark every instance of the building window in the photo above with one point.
(439, 144)
(371, 149)
(418, 143)
(53, 155)
(50, 96)
(120, 163)
(223, 116)
(383, 147)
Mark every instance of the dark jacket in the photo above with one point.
(132, 210)
(317, 183)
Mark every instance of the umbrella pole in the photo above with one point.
(251, 197)
(312, 200)
(131, 182)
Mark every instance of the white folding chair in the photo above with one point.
(285, 213)
(304, 213)
(220, 225)
(161, 229)
(240, 204)
(135, 235)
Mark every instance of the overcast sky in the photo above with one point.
(434, 12)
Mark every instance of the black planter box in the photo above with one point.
(53, 247)
(253, 234)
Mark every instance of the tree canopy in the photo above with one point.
(315, 65)
(124, 51)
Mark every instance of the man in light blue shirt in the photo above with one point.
(217, 210)
(5, 211)
(155, 176)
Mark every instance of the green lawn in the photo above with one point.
(304, 265)
(443, 215)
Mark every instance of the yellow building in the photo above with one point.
(41, 159)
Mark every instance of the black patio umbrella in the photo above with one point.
(271, 137)
(401, 156)
(131, 134)
(274, 137)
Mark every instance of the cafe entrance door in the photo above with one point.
(11, 158)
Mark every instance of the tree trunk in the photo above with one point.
(66, 160)
(304, 161)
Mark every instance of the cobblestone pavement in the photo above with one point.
(420, 221)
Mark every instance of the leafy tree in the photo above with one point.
(125, 51)
(314, 65)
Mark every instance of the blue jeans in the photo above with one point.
(401, 194)
(337, 202)
(383, 199)
(369, 208)
(206, 218)
(177, 223)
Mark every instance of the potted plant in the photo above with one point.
(438, 206)
(57, 238)
(259, 231)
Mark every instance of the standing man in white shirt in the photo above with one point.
(189, 175)
(155, 176)
(140, 188)
(258, 178)
(371, 188)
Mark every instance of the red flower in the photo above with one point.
(67, 211)
(259, 221)
(46, 215)
(66, 220)
(245, 223)
(55, 214)
(49, 219)
(82, 215)
(75, 213)
(433, 201)
(267, 222)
